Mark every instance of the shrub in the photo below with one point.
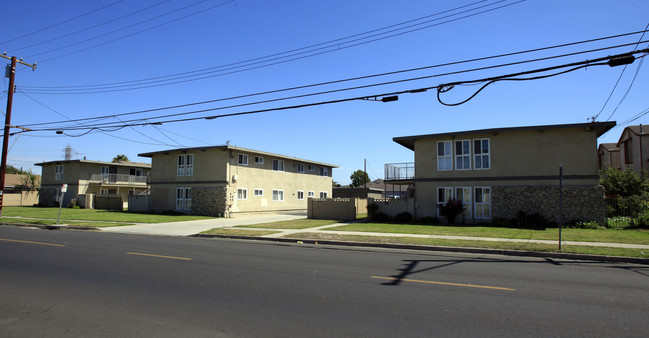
(371, 208)
(380, 217)
(583, 225)
(428, 220)
(72, 204)
(451, 209)
(404, 217)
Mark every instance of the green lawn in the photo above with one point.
(27, 221)
(95, 215)
(295, 224)
(605, 251)
(635, 236)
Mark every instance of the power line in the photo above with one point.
(609, 60)
(91, 27)
(274, 59)
(317, 93)
(62, 22)
(627, 90)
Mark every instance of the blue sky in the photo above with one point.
(132, 43)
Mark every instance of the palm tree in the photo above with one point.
(120, 158)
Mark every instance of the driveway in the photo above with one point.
(194, 227)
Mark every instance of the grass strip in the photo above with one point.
(238, 232)
(294, 224)
(630, 236)
(10, 220)
(95, 215)
(605, 251)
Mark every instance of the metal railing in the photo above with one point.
(117, 179)
(400, 171)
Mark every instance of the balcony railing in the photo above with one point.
(117, 179)
(400, 171)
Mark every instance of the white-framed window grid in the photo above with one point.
(463, 194)
(324, 172)
(181, 165)
(323, 194)
(183, 198)
(259, 192)
(311, 194)
(278, 165)
(259, 160)
(482, 202)
(278, 195)
(300, 167)
(443, 195)
(58, 172)
(243, 159)
(242, 194)
(481, 154)
(105, 171)
(462, 155)
(103, 191)
(300, 195)
(444, 155)
(311, 167)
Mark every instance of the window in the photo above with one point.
(242, 194)
(243, 159)
(278, 195)
(183, 198)
(444, 155)
(103, 191)
(462, 155)
(259, 192)
(311, 194)
(443, 195)
(259, 160)
(482, 202)
(105, 171)
(463, 194)
(628, 153)
(324, 172)
(481, 154)
(323, 194)
(311, 168)
(278, 165)
(58, 172)
(186, 165)
(134, 171)
(300, 167)
(300, 195)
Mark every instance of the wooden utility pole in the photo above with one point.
(11, 74)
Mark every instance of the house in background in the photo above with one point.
(634, 148)
(85, 177)
(608, 156)
(226, 180)
(497, 173)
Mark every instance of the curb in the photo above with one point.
(558, 255)
(49, 227)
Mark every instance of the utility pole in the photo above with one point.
(11, 74)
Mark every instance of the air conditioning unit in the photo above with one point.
(235, 178)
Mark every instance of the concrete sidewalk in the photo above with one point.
(194, 227)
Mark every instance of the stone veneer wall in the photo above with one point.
(209, 201)
(580, 203)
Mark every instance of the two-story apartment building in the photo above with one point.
(608, 156)
(225, 180)
(90, 177)
(634, 148)
(497, 173)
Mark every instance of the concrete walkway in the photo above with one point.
(194, 227)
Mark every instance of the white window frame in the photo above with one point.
(448, 194)
(462, 159)
(324, 172)
(461, 195)
(181, 165)
(323, 194)
(300, 194)
(105, 171)
(259, 192)
(58, 172)
(311, 167)
(259, 160)
(242, 194)
(445, 159)
(189, 165)
(311, 194)
(278, 195)
(483, 204)
(278, 165)
(183, 198)
(478, 157)
(300, 167)
(103, 191)
(242, 159)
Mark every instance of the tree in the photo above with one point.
(359, 178)
(29, 181)
(120, 158)
(68, 151)
(624, 183)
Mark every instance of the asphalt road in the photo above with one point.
(94, 284)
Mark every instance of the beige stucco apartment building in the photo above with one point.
(84, 177)
(499, 172)
(225, 180)
(634, 148)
